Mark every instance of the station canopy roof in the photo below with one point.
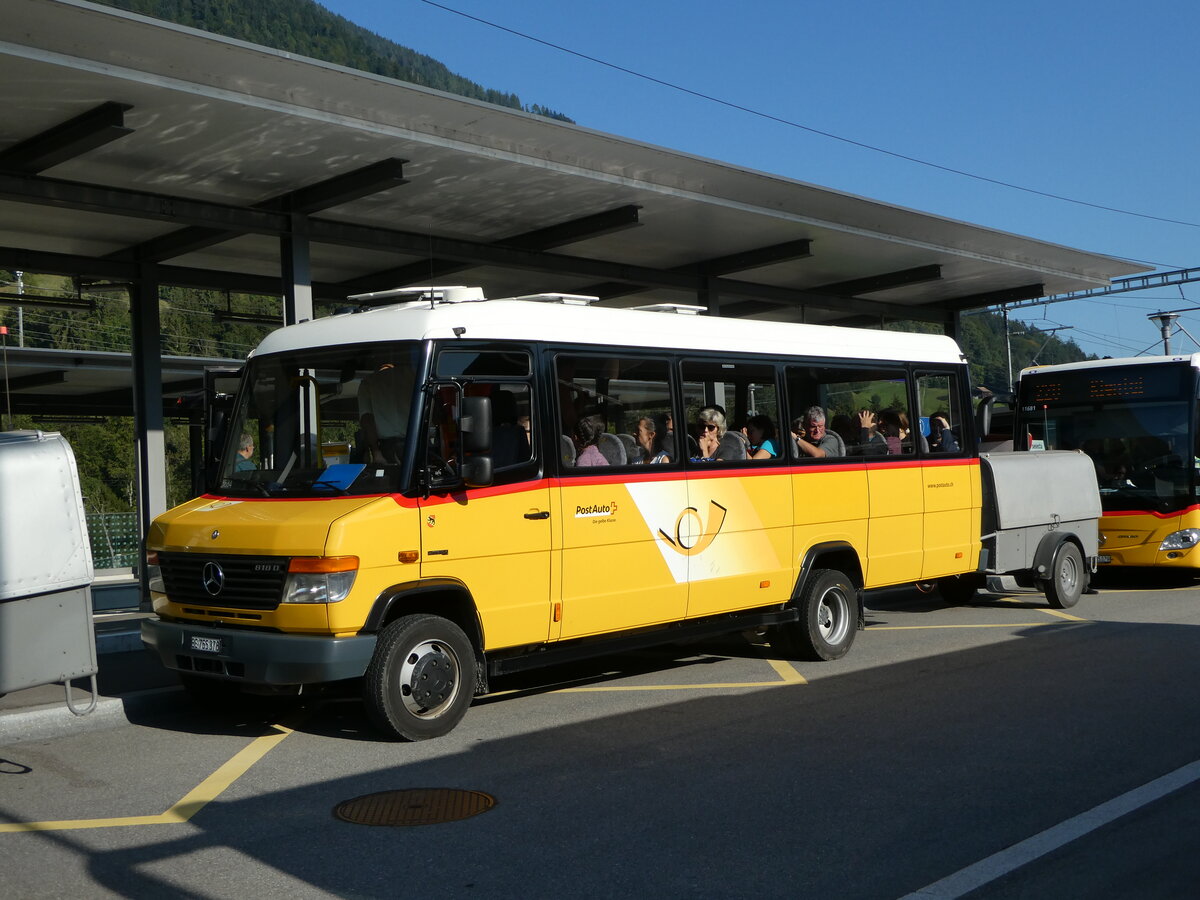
(132, 148)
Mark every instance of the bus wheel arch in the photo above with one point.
(444, 598)
(828, 597)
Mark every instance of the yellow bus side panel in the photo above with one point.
(740, 552)
(952, 519)
(896, 533)
(949, 549)
(618, 571)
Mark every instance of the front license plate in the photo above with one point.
(205, 644)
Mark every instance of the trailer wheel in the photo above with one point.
(1067, 576)
(421, 679)
(828, 622)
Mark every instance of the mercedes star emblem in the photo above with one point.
(213, 578)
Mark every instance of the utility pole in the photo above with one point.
(1007, 344)
(1164, 320)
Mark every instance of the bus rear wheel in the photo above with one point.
(421, 678)
(1067, 577)
(828, 608)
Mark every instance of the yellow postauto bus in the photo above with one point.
(1137, 420)
(429, 495)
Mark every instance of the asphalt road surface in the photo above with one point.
(999, 750)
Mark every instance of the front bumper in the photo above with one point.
(252, 657)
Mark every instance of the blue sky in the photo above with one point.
(1095, 101)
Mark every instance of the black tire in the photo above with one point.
(829, 615)
(421, 679)
(1068, 577)
(959, 590)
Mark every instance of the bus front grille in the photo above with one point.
(236, 582)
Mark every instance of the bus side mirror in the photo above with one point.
(476, 424)
(983, 415)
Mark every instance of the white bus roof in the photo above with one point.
(1193, 359)
(528, 320)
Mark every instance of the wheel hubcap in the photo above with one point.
(1068, 575)
(833, 616)
(429, 679)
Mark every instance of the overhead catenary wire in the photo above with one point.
(729, 104)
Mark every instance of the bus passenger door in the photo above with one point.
(496, 540)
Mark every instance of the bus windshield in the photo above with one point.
(1135, 422)
(321, 422)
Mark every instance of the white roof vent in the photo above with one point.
(682, 309)
(450, 294)
(568, 299)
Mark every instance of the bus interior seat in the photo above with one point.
(633, 451)
(612, 448)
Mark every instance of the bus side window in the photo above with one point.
(940, 426)
(866, 408)
(614, 411)
(732, 409)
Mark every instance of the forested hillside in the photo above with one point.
(306, 28)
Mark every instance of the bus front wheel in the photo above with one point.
(421, 678)
(828, 608)
(1067, 576)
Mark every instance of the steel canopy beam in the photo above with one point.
(372, 179)
(721, 265)
(575, 230)
(70, 139)
(851, 289)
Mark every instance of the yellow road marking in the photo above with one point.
(1064, 615)
(191, 803)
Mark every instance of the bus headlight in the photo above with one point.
(1181, 540)
(320, 579)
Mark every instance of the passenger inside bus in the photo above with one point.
(812, 438)
(714, 439)
(586, 437)
(649, 442)
(760, 432)
(383, 404)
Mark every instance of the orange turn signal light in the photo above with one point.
(408, 556)
(322, 564)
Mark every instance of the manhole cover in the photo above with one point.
(423, 806)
